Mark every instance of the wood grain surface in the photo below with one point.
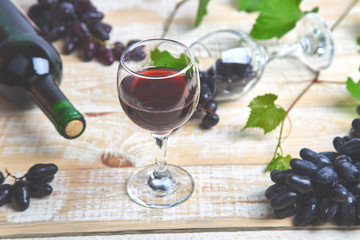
(89, 199)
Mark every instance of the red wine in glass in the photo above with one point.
(157, 104)
(159, 99)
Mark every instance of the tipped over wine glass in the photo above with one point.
(159, 96)
(231, 62)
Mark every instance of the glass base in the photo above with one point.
(160, 191)
(317, 44)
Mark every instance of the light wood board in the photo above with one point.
(89, 199)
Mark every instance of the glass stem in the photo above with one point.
(282, 50)
(160, 153)
(160, 179)
(160, 167)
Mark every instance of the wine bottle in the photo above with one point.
(31, 70)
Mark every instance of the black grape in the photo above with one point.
(347, 171)
(89, 50)
(285, 212)
(210, 120)
(283, 199)
(279, 176)
(356, 124)
(299, 183)
(330, 155)
(211, 106)
(339, 193)
(5, 194)
(118, 49)
(2, 178)
(326, 210)
(80, 29)
(347, 211)
(20, 195)
(338, 142)
(137, 54)
(343, 157)
(306, 213)
(106, 56)
(351, 148)
(355, 189)
(303, 167)
(326, 176)
(318, 159)
(41, 170)
(67, 10)
(47, 179)
(39, 189)
(205, 93)
(273, 190)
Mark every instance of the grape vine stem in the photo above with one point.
(171, 18)
(313, 81)
(344, 14)
(278, 146)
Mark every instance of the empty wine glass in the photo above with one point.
(159, 92)
(231, 62)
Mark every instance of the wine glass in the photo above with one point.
(231, 62)
(158, 86)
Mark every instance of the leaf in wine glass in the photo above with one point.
(264, 113)
(201, 12)
(165, 59)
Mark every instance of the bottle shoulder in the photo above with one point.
(26, 58)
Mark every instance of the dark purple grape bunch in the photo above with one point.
(207, 106)
(34, 184)
(80, 24)
(231, 78)
(320, 187)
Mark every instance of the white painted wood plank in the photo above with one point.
(350, 234)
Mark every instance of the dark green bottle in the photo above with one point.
(31, 70)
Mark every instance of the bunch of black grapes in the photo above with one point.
(220, 81)
(320, 187)
(80, 24)
(35, 184)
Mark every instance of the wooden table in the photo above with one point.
(89, 199)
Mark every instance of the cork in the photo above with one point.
(74, 128)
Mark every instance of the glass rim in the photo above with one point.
(132, 47)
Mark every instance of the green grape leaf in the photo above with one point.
(264, 113)
(165, 59)
(358, 41)
(201, 12)
(279, 163)
(249, 5)
(352, 87)
(276, 18)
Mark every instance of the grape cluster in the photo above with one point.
(320, 187)
(80, 24)
(227, 79)
(35, 183)
(232, 77)
(207, 106)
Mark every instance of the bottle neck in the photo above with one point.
(48, 97)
